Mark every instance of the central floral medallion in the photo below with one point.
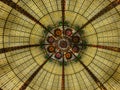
(63, 44)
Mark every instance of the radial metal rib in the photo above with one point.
(63, 75)
(101, 12)
(24, 12)
(29, 80)
(116, 49)
(63, 13)
(97, 81)
(8, 49)
(63, 26)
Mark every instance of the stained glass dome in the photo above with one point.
(59, 44)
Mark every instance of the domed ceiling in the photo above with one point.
(59, 44)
